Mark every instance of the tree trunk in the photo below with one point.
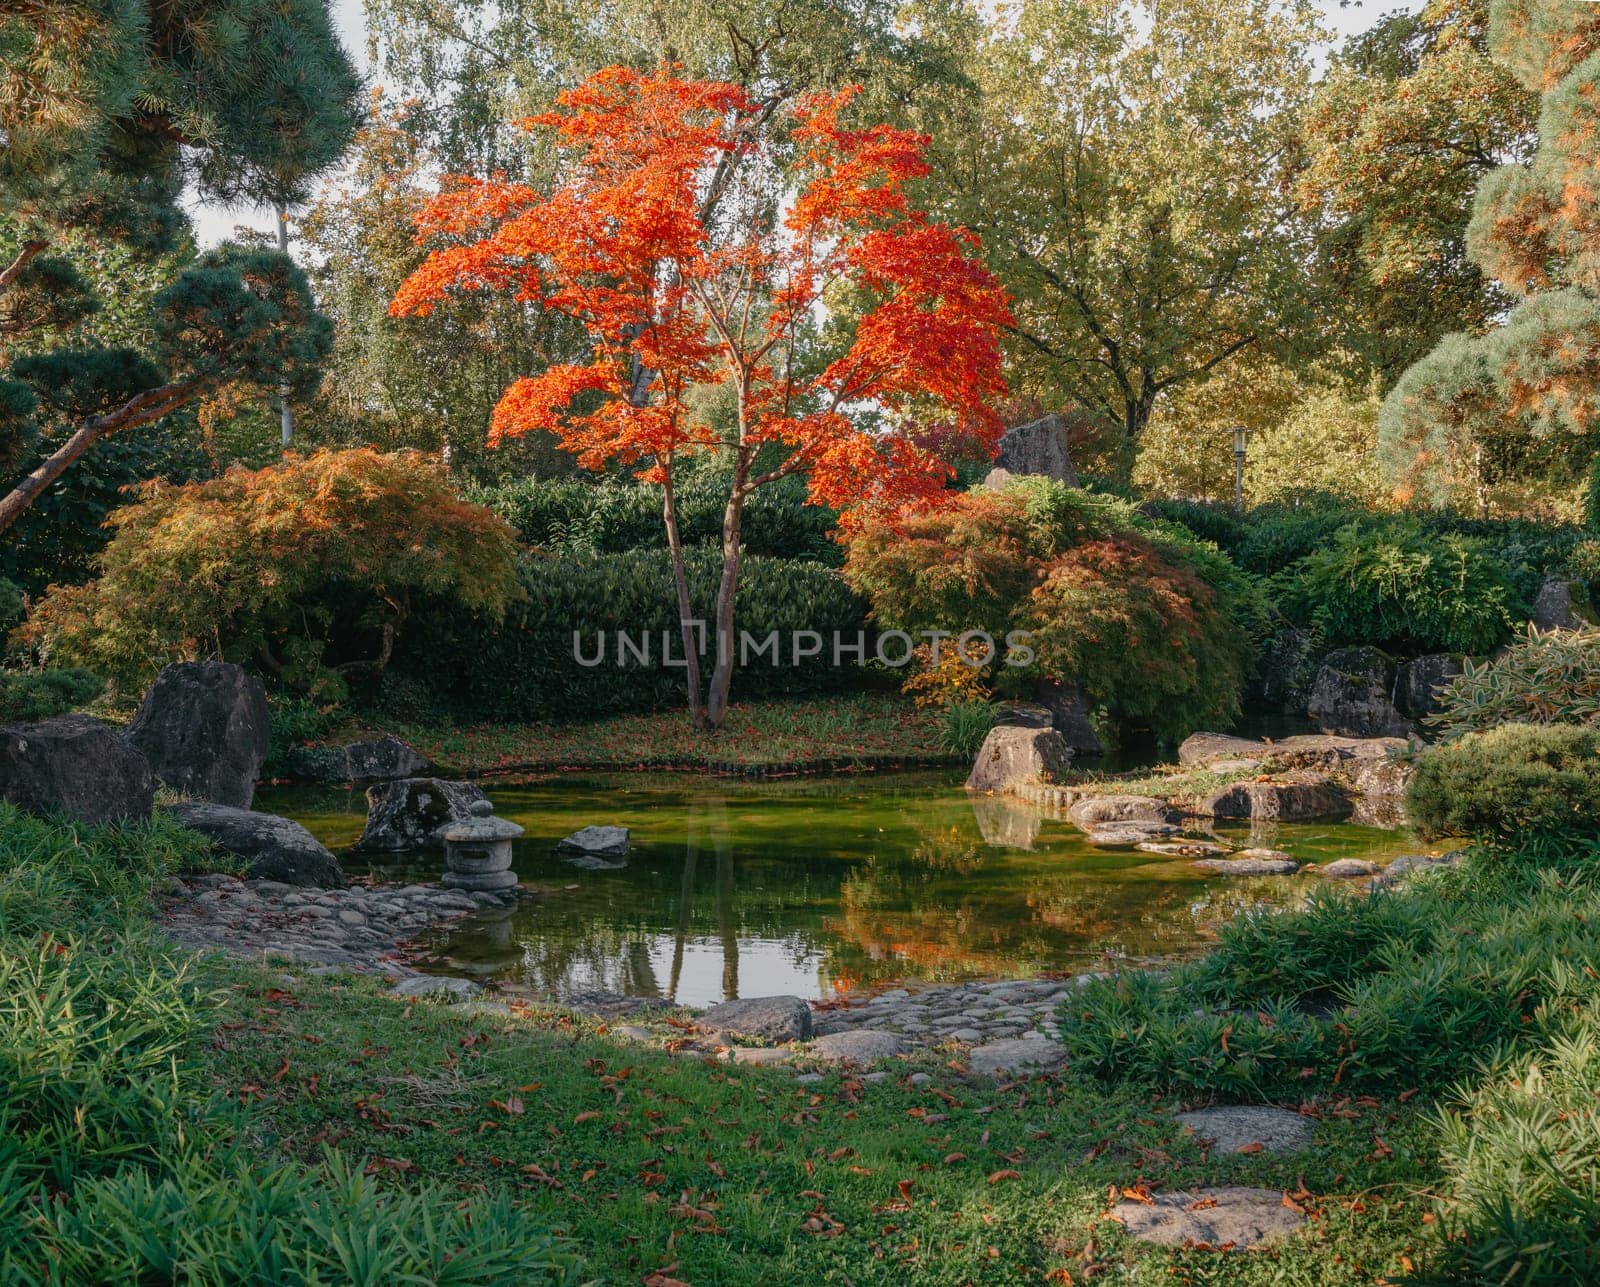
(138, 410)
(680, 581)
(727, 589)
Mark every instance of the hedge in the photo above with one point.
(524, 668)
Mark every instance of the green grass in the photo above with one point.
(717, 1174)
(857, 729)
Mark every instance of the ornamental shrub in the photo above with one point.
(523, 667)
(1545, 677)
(305, 570)
(1156, 626)
(1404, 591)
(1511, 783)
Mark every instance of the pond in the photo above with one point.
(816, 886)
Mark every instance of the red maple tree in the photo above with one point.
(697, 249)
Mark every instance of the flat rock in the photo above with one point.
(276, 848)
(75, 766)
(1348, 868)
(1012, 1055)
(862, 1046)
(1227, 1216)
(596, 842)
(1414, 862)
(1127, 835)
(1236, 1127)
(775, 1019)
(428, 985)
(1203, 748)
(1182, 848)
(1098, 809)
(761, 1055)
(1014, 756)
(1245, 866)
(203, 726)
(377, 760)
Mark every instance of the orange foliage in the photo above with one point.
(694, 252)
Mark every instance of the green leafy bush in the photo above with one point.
(1545, 677)
(305, 570)
(39, 694)
(524, 668)
(612, 516)
(1156, 626)
(1406, 591)
(1509, 783)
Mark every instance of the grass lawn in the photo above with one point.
(671, 1169)
(833, 732)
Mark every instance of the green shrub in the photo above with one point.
(39, 694)
(294, 722)
(1548, 677)
(1509, 783)
(1591, 496)
(1408, 592)
(524, 668)
(613, 516)
(966, 724)
(1521, 1151)
(235, 1221)
(1156, 626)
(306, 570)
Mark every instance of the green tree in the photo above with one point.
(1524, 396)
(425, 383)
(108, 108)
(1412, 114)
(1127, 169)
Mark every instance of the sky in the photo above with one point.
(213, 223)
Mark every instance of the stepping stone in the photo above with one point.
(1182, 848)
(1103, 809)
(603, 842)
(1233, 1128)
(760, 1055)
(1243, 866)
(426, 985)
(1128, 835)
(1413, 862)
(1033, 1053)
(632, 1032)
(1348, 868)
(862, 1046)
(969, 1035)
(1227, 1216)
(774, 1019)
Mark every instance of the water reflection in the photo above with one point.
(808, 886)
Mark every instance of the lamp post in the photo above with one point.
(1241, 436)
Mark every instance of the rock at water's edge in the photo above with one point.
(1013, 757)
(276, 848)
(409, 813)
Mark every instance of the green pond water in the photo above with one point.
(812, 886)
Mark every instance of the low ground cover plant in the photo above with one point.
(1513, 782)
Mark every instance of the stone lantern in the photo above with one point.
(477, 851)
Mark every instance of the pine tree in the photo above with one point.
(1482, 408)
(106, 108)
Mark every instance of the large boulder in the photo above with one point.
(1288, 667)
(1208, 748)
(1562, 605)
(1013, 757)
(384, 759)
(1354, 695)
(76, 766)
(1038, 447)
(409, 813)
(1099, 810)
(775, 1019)
(1420, 681)
(1295, 797)
(275, 848)
(203, 726)
(1069, 714)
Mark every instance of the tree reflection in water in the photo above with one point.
(808, 886)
